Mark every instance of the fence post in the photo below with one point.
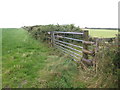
(85, 46)
(52, 38)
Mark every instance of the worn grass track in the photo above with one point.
(22, 58)
(28, 63)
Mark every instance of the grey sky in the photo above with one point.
(83, 13)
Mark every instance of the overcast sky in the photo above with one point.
(83, 13)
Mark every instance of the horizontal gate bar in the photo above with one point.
(69, 32)
(75, 60)
(87, 61)
(88, 52)
(88, 42)
(69, 43)
(68, 47)
(69, 38)
(69, 51)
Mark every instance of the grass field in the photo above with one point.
(28, 63)
(102, 33)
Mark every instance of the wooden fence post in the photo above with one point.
(52, 38)
(85, 46)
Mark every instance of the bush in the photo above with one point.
(41, 31)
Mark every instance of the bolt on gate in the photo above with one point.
(75, 46)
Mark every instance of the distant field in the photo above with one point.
(102, 33)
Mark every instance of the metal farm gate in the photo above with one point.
(75, 44)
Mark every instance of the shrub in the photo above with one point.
(41, 31)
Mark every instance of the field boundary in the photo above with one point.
(58, 40)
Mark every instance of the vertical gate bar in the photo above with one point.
(53, 37)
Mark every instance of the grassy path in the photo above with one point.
(28, 63)
(22, 58)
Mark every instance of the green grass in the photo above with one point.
(0, 58)
(101, 33)
(22, 58)
(28, 63)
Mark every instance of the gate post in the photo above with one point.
(52, 38)
(85, 46)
